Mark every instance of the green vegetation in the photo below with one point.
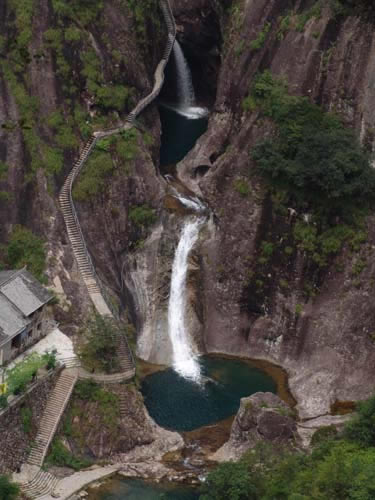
(284, 26)
(60, 456)
(99, 351)
(26, 249)
(83, 10)
(141, 12)
(26, 417)
(314, 12)
(107, 402)
(94, 178)
(323, 244)
(313, 155)
(4, 195)
(111, 154)
(341, 466)
(261, 38)
(242, 187)
(92, 405)
(8, 490)
(299, 309)
(23, 372)
(315, 165)
(142, 216)
(361, 429)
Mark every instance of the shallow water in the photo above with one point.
(134, 489)
(179, 134)
(179, 404)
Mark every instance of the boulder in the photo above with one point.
(261, 417)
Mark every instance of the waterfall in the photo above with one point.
(184, 360)
(185, 89)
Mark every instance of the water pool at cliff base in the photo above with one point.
(180, 404)
(134, 489)
(180, 134)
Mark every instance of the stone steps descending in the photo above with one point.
(55, 408)
(42, 484)
(75, 235)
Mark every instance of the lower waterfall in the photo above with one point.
(185, 362)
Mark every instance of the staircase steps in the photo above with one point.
(42, 484)
(55, 408)
(66, 203)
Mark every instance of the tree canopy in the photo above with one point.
(313, 156)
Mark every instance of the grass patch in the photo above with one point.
(60, 456)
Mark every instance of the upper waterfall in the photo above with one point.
(184, 360)
(185, 89)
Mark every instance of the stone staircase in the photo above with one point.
(72, 362)
(51, 417)
(123, 405)
(77, 240)
(42, 484)
(124, 354)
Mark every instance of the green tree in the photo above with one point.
(362, 428)
(101, 343)
(313, 156)
(8, 490)
(26, 249)
(142, 215)
(230, 481)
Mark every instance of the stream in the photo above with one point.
(197, 390)
(135, 489)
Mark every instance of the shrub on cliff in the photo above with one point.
(26, 249)
(8, 490)
(362, 428)
(142, 215)
(101, 344)
(313, 156)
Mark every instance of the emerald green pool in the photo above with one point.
(134, 489)
(179, 135)
(179, 404)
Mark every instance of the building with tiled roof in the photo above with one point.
(23, 319)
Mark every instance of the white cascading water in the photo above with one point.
(185, 88)
(185, 362)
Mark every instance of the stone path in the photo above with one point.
(42, 484)
(36, 483)
(69, 485)
(56, 405)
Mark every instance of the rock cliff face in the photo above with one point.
(324, 340)
(66, 71)
(63, 61)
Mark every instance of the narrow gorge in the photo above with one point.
(193, 182)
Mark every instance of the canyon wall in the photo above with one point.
(320, 329)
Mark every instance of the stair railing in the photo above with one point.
(171, 27)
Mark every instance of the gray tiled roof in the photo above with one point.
(25, 292)
(11, 319)
(5, 275)
(20, 295)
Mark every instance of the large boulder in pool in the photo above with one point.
(261, 417)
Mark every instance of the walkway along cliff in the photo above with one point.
(35, 482)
